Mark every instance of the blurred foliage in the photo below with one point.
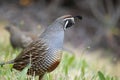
(70, 68)
(100, 27)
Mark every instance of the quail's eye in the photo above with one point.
(68, 23)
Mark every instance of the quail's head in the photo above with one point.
(67, 20)
(58, 27)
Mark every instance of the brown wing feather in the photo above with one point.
(34, 52)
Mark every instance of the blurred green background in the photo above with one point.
(97, 35)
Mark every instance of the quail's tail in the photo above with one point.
(8, 62)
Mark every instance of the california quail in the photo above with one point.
(18, 38)
(44, 54)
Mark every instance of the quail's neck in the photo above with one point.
(54, 36)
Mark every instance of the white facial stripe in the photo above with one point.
(65, 25)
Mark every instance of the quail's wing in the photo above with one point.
(34, 52)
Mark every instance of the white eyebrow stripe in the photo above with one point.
(69, 18)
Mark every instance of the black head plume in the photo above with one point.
(78, 17)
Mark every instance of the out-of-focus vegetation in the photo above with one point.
(99, 30)
(70, 68)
